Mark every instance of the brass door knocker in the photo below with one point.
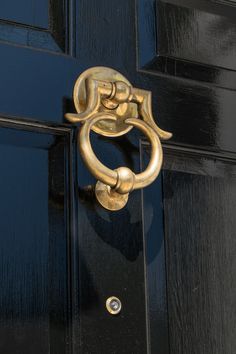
(107, 103)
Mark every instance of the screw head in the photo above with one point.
(113, 305)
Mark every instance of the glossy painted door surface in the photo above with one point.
(169, 255)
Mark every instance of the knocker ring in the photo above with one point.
(113, 186)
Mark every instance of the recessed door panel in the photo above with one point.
(33, 241)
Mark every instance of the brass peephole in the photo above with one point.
(107, 103)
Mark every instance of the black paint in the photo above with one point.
(44, 24)
(199, 202)
(62, 255)
(26, 12)
(34, 222)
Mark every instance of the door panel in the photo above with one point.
(40, 24)
(201, 246)
(27, 12)
(197, 32)
(34, 235)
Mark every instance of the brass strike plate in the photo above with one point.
(122, 110)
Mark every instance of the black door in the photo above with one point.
(169, 255)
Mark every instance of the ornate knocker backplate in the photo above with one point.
(107, 103)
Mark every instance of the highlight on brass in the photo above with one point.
(107, 103)
(113, 305)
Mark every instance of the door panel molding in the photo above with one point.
(188, 50)
(56, 35)
(199, 207)
(36, 235)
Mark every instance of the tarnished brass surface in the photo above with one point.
(108, 104)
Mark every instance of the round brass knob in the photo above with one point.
(113, 305)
